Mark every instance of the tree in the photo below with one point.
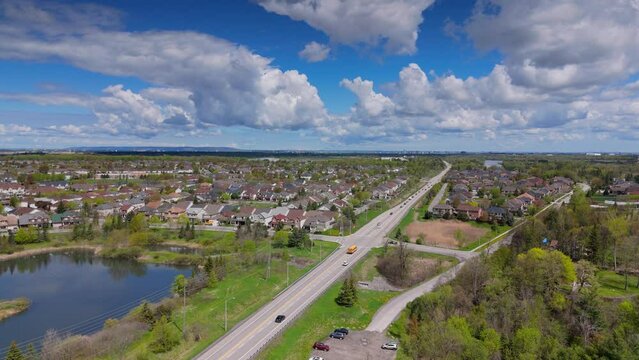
(26, 236)
(138, 223)
(164, 336)
(348, 293)
(280, 239)
(62, 207)
(179, 285)
(13, 202)
(146, 315)
(14, 352)
(299, 238)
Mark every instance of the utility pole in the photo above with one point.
(184, 312)
(268, 266)
(287, 274)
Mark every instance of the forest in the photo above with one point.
(542, 297)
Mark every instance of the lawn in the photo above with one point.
(246, 289)
(612, 284)
(321, 318)
(403, 225)
(491, 234)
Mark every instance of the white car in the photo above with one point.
(345, 263)
(316, 358)
(390, 346)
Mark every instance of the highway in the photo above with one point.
(246, 339)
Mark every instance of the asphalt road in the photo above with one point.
(246, 339)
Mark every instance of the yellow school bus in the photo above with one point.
(351, 249)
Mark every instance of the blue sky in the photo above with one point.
(377, 74)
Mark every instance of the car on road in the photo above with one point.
(391, 213)
(280, 318)
(379, 224)
(316, 358)
(337, 335)
(390, 346)
(345, 263)
(321, 346)
(342, 330)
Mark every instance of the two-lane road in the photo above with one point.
(246, 339)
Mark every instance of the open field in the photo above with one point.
(612, 284)
(445, 233)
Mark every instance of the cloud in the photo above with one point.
(314, 52)
(391, 23)
(560, 45)
(211, 81)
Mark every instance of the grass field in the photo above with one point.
(246, 289)
(612, 284)
(325, 315)
(491, 234)
(12, 307)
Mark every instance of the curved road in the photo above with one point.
(246, 339)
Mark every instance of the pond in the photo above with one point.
(493, 163)
(75, 291)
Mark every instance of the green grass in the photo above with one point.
(403, 224)
(247, 290)
(321, 318)
(491, 234)
(361, 220)
(612, 284)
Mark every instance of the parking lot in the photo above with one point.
(364, 345)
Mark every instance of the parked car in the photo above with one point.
(321, 346)
(280, 318)
(390, 346)
(337, 335)
(342, 330)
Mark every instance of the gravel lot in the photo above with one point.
(364, 345)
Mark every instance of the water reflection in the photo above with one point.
(117, 268)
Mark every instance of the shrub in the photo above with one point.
(165, 336)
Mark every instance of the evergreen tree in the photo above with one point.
(348, 293)
(208, 265)
(164, 336)
(14, 352)
(31, 353)
(146, 315)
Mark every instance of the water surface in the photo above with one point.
(76, 291)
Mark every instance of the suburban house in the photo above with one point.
(67, 218)
(317, 221)
(443, 209)
(35, 218)
(8, 223)
(497, 213)
(473, 212)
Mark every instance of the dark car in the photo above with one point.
(342, 330)
(337, 335)
(321, 346)
(280, 318)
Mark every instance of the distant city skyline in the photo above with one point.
(416, 75)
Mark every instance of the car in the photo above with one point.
(391, 213)
(337, 335)
(316, 358)
(321, 346)
(393, 242)
(345, 263)
(342, 330)
(390, 346)
(379, 224)
(280, 318)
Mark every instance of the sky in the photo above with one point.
(428, 75)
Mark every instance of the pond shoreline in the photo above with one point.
(12, 307)
(49, 249)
